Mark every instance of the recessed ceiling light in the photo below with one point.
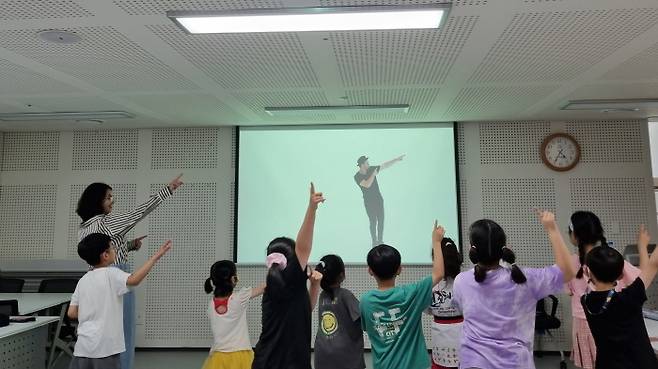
(297, 110)
(60, 37)
(76, 116)
(613, 105)
(312, 19)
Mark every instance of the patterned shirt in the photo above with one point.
(117, 225)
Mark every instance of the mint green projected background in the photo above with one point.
(276, 166)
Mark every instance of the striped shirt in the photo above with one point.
(117, 225)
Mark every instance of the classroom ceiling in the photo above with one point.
(492, 60)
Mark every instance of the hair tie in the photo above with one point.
(473, 247)
(276, 258)
(570, 226)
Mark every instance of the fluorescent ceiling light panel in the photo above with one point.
(300, 110)
(87, 115)
(312, 19)
(612, 105)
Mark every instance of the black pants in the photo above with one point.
(375, 211)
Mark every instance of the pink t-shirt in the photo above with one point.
(578, 286)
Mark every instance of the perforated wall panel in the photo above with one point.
(461, 144)
(22, 151)
(185, 148)
(538, 42)
(104, 57)
(42, 9)
(160, 7)
(176, 282)
(105, 150)
(276, 60)
(512, 142)
(124, 200)
(510, 202)
(374, 58)
(609, 141)
(27, 221)
(617, 201)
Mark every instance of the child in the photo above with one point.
(228, 318)
(97, 303)
(285, 340)
(615, 318)
(391, 315)
(448, 319)
(499, 303)
(339, 341)
(586, 232)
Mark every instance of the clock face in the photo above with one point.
(560, 152)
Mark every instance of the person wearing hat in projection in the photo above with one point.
(366, 179)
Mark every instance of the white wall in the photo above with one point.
(501, 177)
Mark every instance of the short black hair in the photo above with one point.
(92, 246)
(384, 261)
(605, 263)
(90, 203)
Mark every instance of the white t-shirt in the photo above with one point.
(230, 330)
(99, 297)
(442, 306)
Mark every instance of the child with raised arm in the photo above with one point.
(285, 340)
(615, 318)
(97, 303)
(227, 312)
(586, 232)
(391, 315)
(499, 302)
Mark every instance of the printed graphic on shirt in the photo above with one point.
(389, 330)
(329, 323)
(441, 297)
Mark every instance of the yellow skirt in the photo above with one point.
(229, 360)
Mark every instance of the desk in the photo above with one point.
(30, 303)
(652, 329)
(22, 345)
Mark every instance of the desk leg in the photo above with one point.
(57, 342)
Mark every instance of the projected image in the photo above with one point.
(382, 184)
(366, 179)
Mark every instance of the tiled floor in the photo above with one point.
(191, 359)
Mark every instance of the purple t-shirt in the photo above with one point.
(499, 316)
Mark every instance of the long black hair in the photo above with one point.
(275, 280)
(452, 259)
(333, 273)
(90, 203)
(587, 229)
(221, 278)
(488, 246)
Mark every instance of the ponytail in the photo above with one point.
(480, 272)
(517, 274)
(208, 286)
(275, 280)
(333, 273)
(581, 259)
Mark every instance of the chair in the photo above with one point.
(67, 336)
(545, 322)
(9, 307)
(11, 285)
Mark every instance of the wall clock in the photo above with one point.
(560, 152)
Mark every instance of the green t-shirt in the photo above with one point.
(392, 319)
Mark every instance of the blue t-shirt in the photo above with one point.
(392, 319)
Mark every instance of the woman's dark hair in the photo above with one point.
(221, 278)
(452, 259)
(605, 263)
(333, 273)
(488, 246)
(90, 203)
(587, 229)
(275, 281)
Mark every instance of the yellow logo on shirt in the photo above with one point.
(329, 323)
